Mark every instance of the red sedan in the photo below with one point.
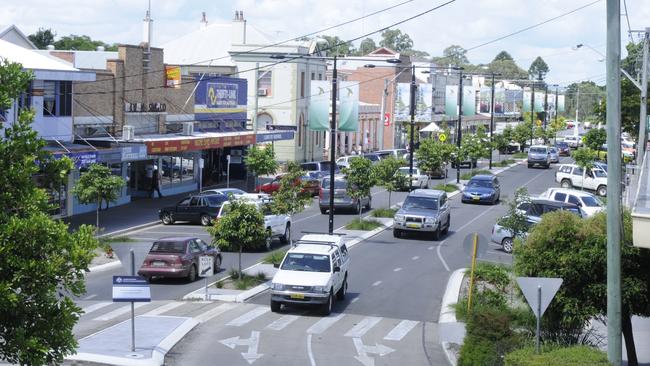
(309, 185)
(178, 258)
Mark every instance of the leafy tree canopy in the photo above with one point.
(396, 40)
(42, 38)
(338, 47)
(289, 199)
(503, 56)
(595, 138)
(385, 171)
(261, 161)
(367, 45)
(360, 178)
(453, 55)
(81, 43)
(538, 69)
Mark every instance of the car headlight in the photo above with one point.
(277, 286)
(430, 220)
(320, 289)
(399, 218)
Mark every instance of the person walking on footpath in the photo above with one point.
(155, 184)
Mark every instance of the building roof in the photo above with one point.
(13, 34)
(209, 45)
(91, 60)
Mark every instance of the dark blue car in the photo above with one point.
(482, 188)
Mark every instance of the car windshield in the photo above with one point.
(324, 166)
(306, 262)
(562, 145)
(600, 173)
(309, 166)
(216, 201)
(168, 247)
(538, 150)
(427, 203)
(338, 184)
(371, 157)
(591, 202)
(228, 191)
(479, 183)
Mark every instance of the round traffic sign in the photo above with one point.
(442, 137)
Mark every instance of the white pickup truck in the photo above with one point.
(313, 272)
(571, 175)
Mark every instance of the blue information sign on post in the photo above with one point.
(131, 289)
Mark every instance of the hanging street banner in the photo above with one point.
(469, 100)
(484, 99)
(348, 106)
(539, 102)
(403, 102)
(451, 101)
(526, 97)
(319, 103)
(513, 103)
(424, 103)
(220, 98)
(172, 76)
(560, 103)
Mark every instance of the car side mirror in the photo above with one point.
(337, 269)
(276, 265)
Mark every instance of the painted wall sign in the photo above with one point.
(220, 98)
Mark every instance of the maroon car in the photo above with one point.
(309, 184)
(178, 257)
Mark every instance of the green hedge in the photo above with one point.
(489, 337)
(569, 356)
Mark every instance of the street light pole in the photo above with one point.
(557, 101)
(459, 134)
(492, 121)
(332, 148)
(412, 110)
(532, 113)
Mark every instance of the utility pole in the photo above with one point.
(532, 113)
(545, 105)
(459, 133)
(491, 121)
(614, 221)
(332, 148)
(257, 97)
(643, 133)
(575, 130)
(382, 116)
(557, 92)
(412, 110)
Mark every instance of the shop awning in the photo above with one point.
(431, 127)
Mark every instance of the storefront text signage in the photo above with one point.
(168, 146)
(145, 108)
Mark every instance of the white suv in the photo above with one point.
(312, 272)
(589, 203)
(277, 226)
(571, 175)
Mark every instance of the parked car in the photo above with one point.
(224, 191)
(277, 226)
(563, 148)
(341, 198)
(628, 156)
(504, 237)
(313, 271)
(344, 161)
(574, 142)
(423, 210)
(420, 180)
(309, 183)
(539, 155)
(571, 175)
(511, 148)
(178, 257)
(396, 153)
(589, 203)
(195, 208)
(321, 168)
(374, 158)
(555, 154)
(482, 188)
(469, 164)
(536, 207)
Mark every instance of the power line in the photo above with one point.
(629, 28)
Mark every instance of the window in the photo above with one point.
(194, 247)
(313, 76)
(560, 197)
(573, 199)
(185, 202)
(57, 98)
(320, 76)
(302, 84)
(577, 171)
(265, 82)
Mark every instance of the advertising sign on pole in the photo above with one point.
(172, 76)
(131, 289)
(319, 102)
(349, 106)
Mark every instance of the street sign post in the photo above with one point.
(539, 292)
(442, 137)
(206, 269)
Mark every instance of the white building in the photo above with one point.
(278, 76)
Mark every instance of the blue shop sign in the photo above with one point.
(134, 153)
(80, 159)
(277, 136)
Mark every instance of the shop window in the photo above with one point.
(265, 84)
(57, 98)
(177, 169)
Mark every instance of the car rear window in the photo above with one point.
(338, 183)
(591, 202)
(479, 183)
(309, 166)
(538, 150)
(324, 166)
(216, 201)
(168, 247)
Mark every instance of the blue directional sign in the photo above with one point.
(131, 289)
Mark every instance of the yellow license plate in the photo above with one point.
(476, 198)
(297, 296)
(413, 226)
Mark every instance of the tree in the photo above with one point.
(584, 158)
(516, 221)
(386, 174)
(42, 262)
(557, 124)
(42, 38)
(595, 138)
(500, 143)
(589, 100)
(474, 146)
(434, 155)
(508, 69)
(538, 68)
(367, 45)
(503, 56)
(396, 40)
(241, 227)
(360, 179)
(261, 161)
(337, 47)
(81, 43)
(522, 133)
(98, 185)
(453, 55)
(290, 198)
(574, 249)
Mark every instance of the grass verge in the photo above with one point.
(447, 187)
(241, 281)
(504, 163)
(360, 224)
(384, 212)
(520, 155)
(469, 175)
(275, 257)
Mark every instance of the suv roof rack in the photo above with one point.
(330, 244)
(322, 233)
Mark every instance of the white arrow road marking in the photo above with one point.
(165, 308)
(363, 351)
(363, 327)
(401, 330)
(377, 283)
(397, 269)
(251, 354)
(204, 317)
(415, 258)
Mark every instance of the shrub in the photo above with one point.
(384, 212)
(275, 257)
(360, 224)
(477, 353)
(446, 187)
(567, 356)
(489, 337)
(494, 274)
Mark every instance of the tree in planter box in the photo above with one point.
(98, 185)
(290, 198)
(261, 161)
(387, 175)
(360, 179)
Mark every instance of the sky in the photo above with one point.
(467, 23)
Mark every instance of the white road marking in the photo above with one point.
(175, 233)
(397, 269)
(361, 328)
(377, 283)
(312, 362)
(90, 297)
(400, 330)
(119, 311)
(214, 312)
(248, 317)
(282, 322)
(143, 238)
(322, 325)
(89, 309)
(165, 308)
(415, 258)
(431, 248)
(354, 300)
(308, 217)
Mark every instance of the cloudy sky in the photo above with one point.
(468, 23)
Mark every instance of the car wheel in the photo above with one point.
(191, 276)
(284, 239)
(323, 211)
(448, 225)
(602, 191)
(436, 234)
(327, 307)
(507, 243)
(275, 306)
(369, 205)
(268, 242)
(217, 264)
(566, 183)
(530, 166)
(397, 233)
(499, 197)
(167, 219)
(340, 295)
(358, 208)
(206, 220)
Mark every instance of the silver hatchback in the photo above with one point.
(423, 210)
(342, 199)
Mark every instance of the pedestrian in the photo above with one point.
(155, 184)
